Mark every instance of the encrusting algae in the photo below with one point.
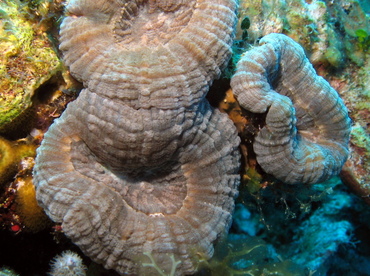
(330, 31)
(27, 61)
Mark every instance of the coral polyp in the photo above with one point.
(67, 264)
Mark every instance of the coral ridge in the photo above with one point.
(305, 139)
(140, 162)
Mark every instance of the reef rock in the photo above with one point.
(140, 170)
(27, 61)
(305, 138)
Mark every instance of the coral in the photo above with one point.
(141, 162)
(276, 210)
(67, 264)
(18, 207)
(27, 61)
(7, 161)
(305, 139)
(338, 38)
(31, 214)
(11, 153)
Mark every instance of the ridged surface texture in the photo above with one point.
(140, 170)
(305, 138)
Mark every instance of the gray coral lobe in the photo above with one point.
(305, 139)
(140, 162)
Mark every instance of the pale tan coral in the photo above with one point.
(140, 162)
(305, 139)
(173, 76)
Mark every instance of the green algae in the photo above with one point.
(248, 256)
(363, 38)
(27, 61)
(330, 31)
(361, 139)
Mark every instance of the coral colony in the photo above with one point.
(173, 190)
(305, 139)
(171, 137)
(141, 148)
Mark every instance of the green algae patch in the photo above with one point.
(27, 61)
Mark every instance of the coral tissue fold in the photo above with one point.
(140, 170)
(305, 138)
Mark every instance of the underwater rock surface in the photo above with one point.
(27, 61)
